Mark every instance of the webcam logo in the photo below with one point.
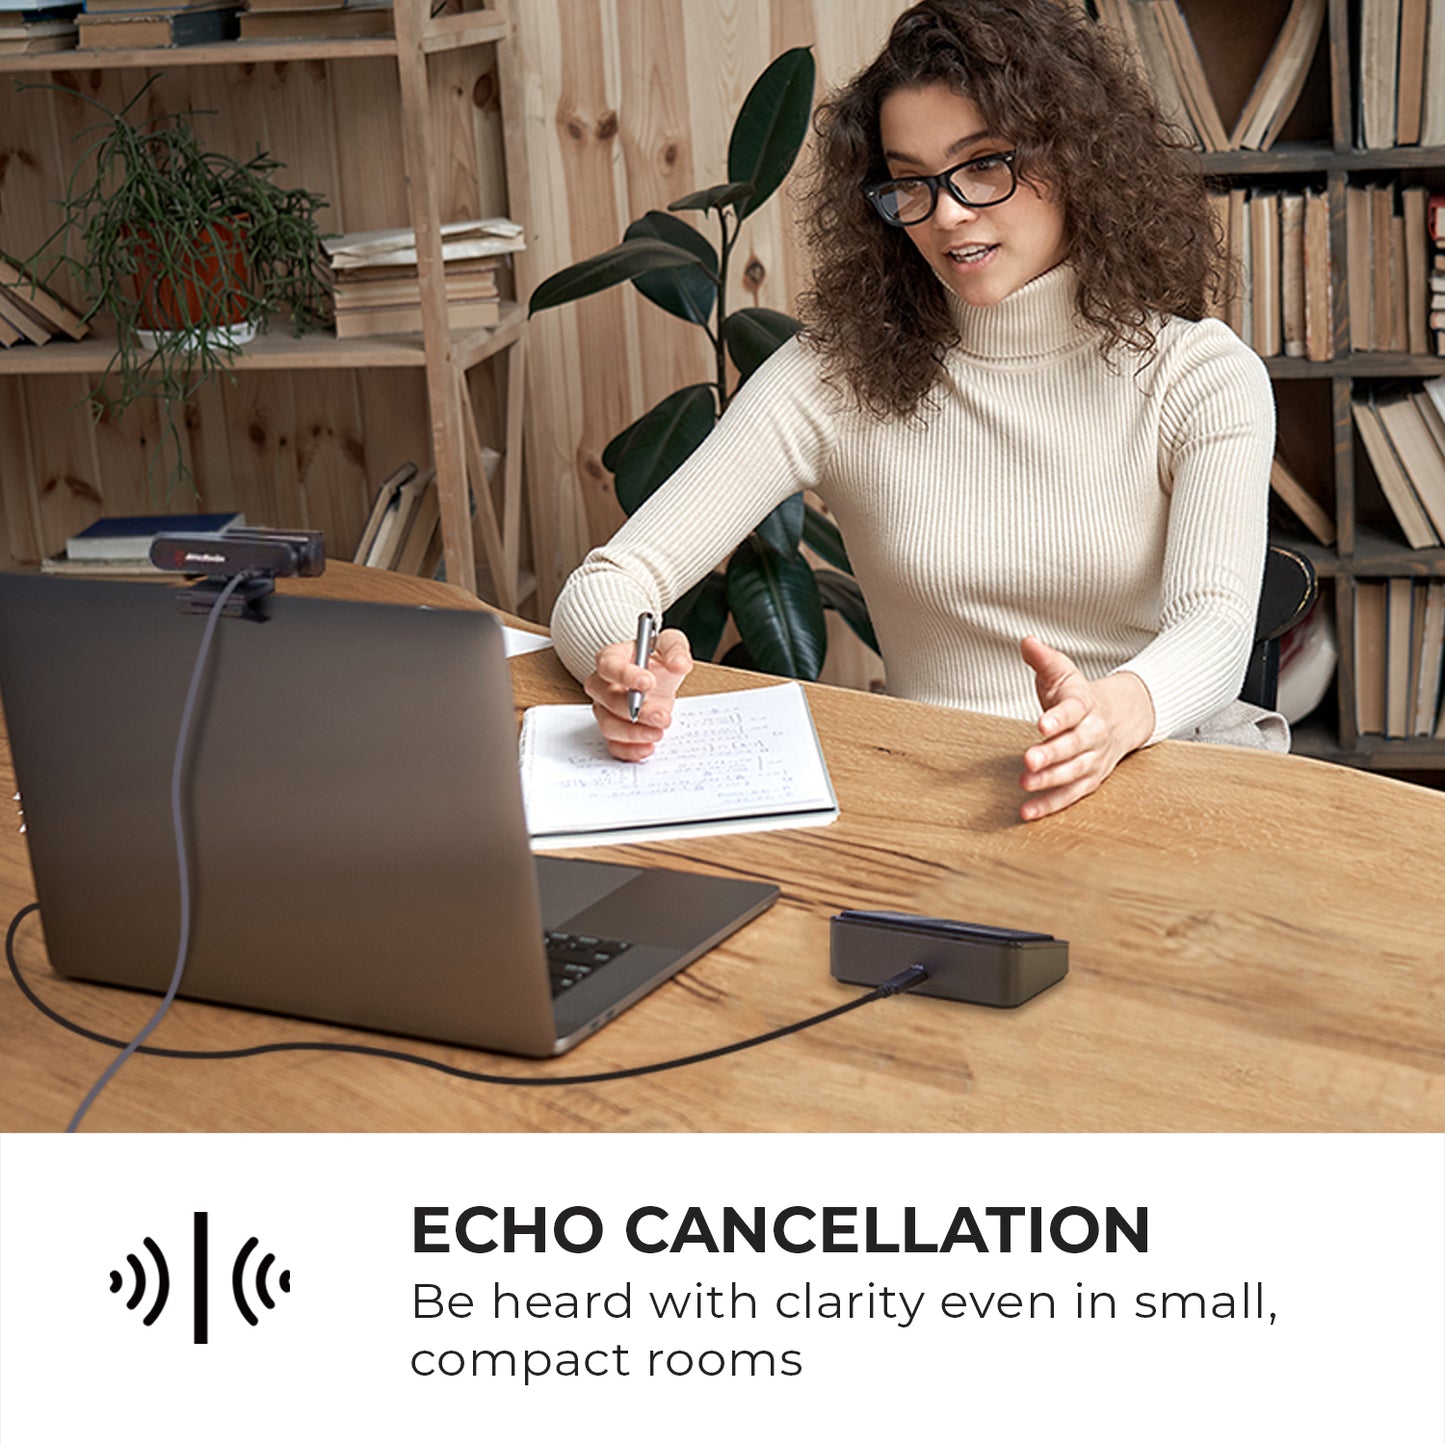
(246, 1280)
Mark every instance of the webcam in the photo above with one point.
(257, 555)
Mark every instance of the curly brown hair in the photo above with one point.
(1141, 237)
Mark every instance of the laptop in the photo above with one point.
(357, 842)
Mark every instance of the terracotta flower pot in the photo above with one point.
(209, 290)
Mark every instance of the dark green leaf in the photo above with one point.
(782, 528)
(660, 442)
(739, 656)
(779, 615)
(612, 452)
(689, 292)
(771, 126)
(753, 333)
(822, 535)
(597, 273)
(702, 613)
(714, 198)
(845, 597)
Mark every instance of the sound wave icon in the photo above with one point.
(163, 1285)
(242, 1275)
(238, 1271)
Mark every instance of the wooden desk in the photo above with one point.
(1255, 943)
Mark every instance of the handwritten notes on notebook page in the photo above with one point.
(731, 762)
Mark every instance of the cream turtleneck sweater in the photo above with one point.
(1117, 513)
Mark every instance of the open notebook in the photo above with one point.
(731, 762)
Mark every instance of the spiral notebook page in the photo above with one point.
(731, 762)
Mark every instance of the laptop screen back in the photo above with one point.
(354, 818)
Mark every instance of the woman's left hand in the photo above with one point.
(1088, 727)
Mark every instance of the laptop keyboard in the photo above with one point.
(571, 957)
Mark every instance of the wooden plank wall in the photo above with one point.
(298, 448)
(628, 104)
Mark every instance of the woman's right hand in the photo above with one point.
(616, 675)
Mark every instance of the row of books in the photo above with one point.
(1394, 284)
(377, 286)
(1401, 74)
(162, 24)
(1403, 434)
(38, 29)
(1156, 34)
(1280, 299)
(157, 24)
(29, 312)
(1399, 643)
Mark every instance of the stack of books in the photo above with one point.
(1435, 285)
(1387, 268)
(1403, 433)
(1399, 642)
(1401, 73)
(1157, 36)
(120, 547)
(157, 24)
(30, 312)
(378, 290)
(316, 19)
(37, 29)
(403, 532)
(1281, 301)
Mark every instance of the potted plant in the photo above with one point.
(774, 596)
(190, 251)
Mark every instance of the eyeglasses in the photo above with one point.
(983, 181)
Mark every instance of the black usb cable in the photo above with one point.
(901, 982)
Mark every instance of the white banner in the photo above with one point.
(469, 1288)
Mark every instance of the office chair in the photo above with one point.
(1289, 590)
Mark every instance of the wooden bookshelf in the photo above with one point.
(280, 351)
(450, 32)
(1318, 150)
(423, 155)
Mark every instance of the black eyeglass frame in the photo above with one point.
(944, 179)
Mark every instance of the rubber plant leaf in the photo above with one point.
(777, 609)
(822, 535)
(714, 198)
(690, 291)
(597, 273)
(702, 613)
(782, 529)
(845, 597)
(660, 442)
(771, 126)
(753, 333)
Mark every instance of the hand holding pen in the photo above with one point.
(633, 687)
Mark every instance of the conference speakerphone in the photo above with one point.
(967, 962)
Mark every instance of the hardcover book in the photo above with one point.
(128, 539)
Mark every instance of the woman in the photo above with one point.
(1050, 471)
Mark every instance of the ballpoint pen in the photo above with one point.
(646, 635)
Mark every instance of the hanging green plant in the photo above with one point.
(190, 251)
(774, 596)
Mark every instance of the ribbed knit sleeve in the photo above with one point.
(1217, 439)
(771, 442)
